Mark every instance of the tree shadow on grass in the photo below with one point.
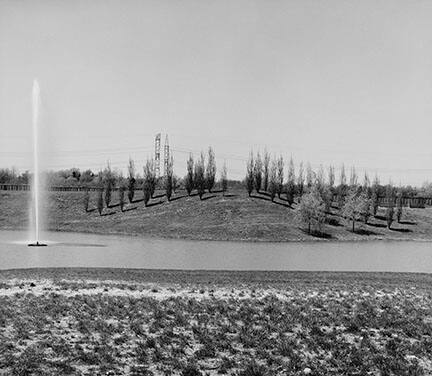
(282, 204)
(269, 199)
(380, 217)
(129, 209)
(106, 214)
(405, 230)
(159, 196)
(177, 198)
(207, 197)
(113, 206)
(155, 203)
(261, 197)
(317, 234)
(136, 201)
(408, 223)
(90, 210)
(229, 195)
(380, 225)
(362, 231)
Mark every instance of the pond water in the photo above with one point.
(88, 250)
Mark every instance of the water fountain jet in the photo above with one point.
(36, 177)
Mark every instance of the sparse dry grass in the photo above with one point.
(103, 321)
(234, 217)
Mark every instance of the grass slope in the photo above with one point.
(233, 217)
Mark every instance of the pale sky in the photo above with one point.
(324, 81)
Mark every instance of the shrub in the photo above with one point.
(311, 210)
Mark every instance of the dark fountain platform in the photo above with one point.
(37, 244)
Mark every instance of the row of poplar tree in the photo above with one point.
(318, 195)
(200, 176)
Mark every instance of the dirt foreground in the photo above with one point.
(143, 322)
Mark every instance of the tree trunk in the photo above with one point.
(353, 225)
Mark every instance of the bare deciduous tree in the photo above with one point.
(311, 210)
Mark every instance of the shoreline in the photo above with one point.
(195, 239)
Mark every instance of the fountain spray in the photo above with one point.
(36, 181)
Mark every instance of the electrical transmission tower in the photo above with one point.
(157, 154)
(166, 155)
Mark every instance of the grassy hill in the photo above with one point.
(232, 217)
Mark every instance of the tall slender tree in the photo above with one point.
(390, 205)
(399, 206)
(189, 179)
(131, 180)
(148, 181)
(300, 180)
(280, 175)
(331, 177)
(258, 172)
(309, 175)
(342, 179)
(210, 171)
(250, 179)
(353, 177)
(291, 182)
(109, 181)
(169, 179)
(375, 196)
(199, 179)
(224, 179)
(266, 165)
(273, 183)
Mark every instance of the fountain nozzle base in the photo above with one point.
(37, 244)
